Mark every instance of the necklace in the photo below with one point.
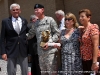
(69, 28)
(84, 30)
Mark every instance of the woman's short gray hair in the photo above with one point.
(32, 17)
(60, 12)
(14, 5)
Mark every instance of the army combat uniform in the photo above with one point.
(47, 58)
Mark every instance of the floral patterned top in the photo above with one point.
(86, 46)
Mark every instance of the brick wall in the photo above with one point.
(75, 5)
(51, 6)
(3, 11)
(27, 7)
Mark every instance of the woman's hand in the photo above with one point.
(95, 67)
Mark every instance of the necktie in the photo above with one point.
(17, 28)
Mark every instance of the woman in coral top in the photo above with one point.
(89, 42)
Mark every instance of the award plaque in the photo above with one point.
(45, 37)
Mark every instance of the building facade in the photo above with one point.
(27, 7)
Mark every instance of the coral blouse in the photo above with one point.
(86, 46)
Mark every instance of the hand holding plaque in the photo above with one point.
(45, 37)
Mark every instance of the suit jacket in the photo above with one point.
(11, 43)
(32, 46)
(32, 43)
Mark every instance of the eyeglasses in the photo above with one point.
(15, 9)
(68, 19)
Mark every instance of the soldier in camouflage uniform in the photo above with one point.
(47, 55)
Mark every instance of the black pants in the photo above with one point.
(87, 66)
(35, 69)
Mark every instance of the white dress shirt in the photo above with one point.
(62, 24)
(19, 20)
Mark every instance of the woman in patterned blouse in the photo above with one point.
(89, 42)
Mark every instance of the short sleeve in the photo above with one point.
(94, 30)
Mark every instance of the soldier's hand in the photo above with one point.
(45, 46)
(56, 46)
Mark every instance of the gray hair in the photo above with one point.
(14, 5)
(60, 12)
(32, 17)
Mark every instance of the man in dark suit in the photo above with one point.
(13, 41)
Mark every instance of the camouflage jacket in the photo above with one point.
(47, 23)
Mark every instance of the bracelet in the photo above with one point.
(94, 62)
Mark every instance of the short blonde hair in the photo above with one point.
(73, 17)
